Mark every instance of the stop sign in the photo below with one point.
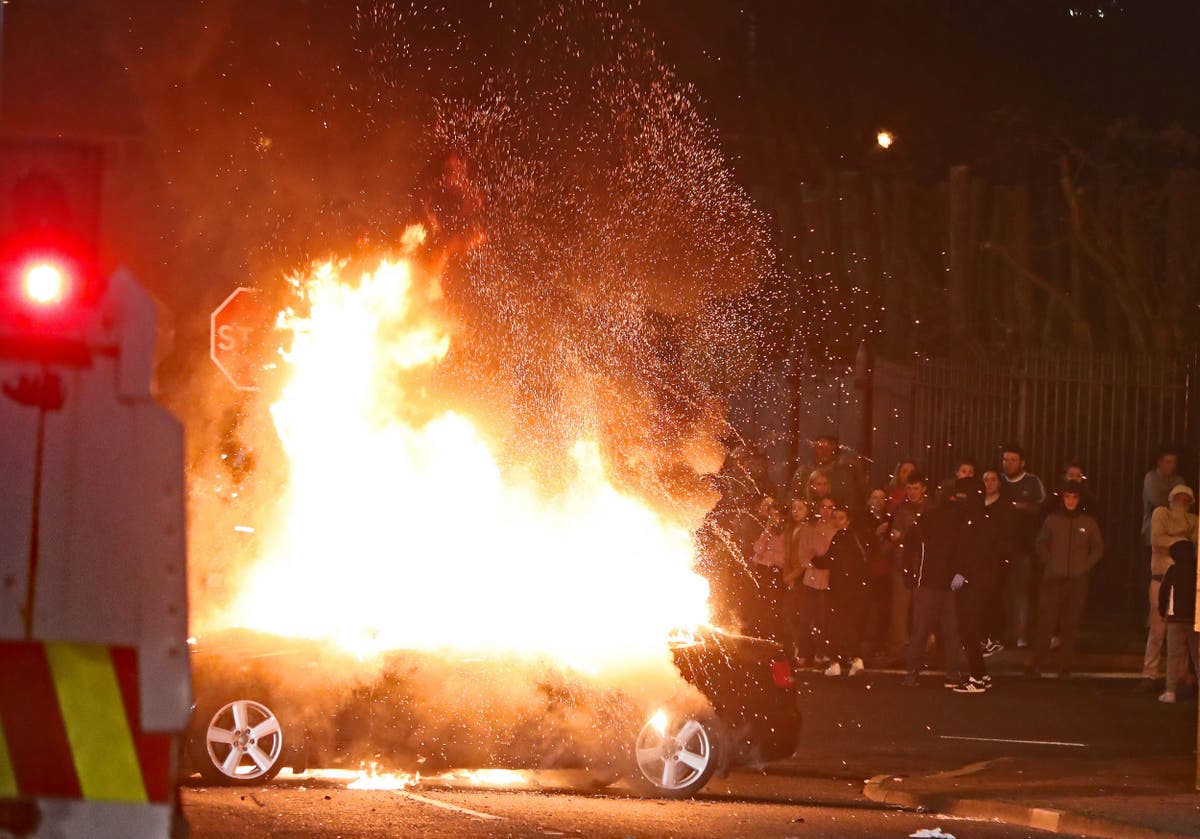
(235, 343)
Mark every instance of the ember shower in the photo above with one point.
(593, 266)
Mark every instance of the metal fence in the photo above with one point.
(1107, 411)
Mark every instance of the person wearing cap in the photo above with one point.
(1177, 608)
(1168, 525)
(1069, 545)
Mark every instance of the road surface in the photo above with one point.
(853, 730)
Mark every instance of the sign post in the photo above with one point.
(235, 338)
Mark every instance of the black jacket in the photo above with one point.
(932, 549)
(846, 560)
(986, 541)
(1180, 580)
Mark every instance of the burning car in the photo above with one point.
(265, 702)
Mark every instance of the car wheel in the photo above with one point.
(676, 757)
(243, 744)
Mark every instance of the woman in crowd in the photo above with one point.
(846, 565)
(797, 534)
(767, 561)
(812, 583)
(819, 488)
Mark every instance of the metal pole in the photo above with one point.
(36, 506)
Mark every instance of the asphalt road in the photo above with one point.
(854, 729)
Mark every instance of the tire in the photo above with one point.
(240, 743)
(675, 758)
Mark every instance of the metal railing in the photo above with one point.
(1110, 412)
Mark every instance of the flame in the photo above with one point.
(368, 777)
(659, 721)
(371, 777)
(485, 777)
(401, 530)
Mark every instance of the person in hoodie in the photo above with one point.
(1177, 608)
(1068, 545)
(997, 542)
(846, 562)
(977, 572)
(1168, 525)
(930, 553)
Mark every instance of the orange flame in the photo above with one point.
(399, 532)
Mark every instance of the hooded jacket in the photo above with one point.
(1167, 526)
(1177, 596)
(846, 561)
(931, 549)
(1069, 543)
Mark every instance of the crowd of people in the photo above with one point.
(847, 576)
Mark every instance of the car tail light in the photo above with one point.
(781, 672)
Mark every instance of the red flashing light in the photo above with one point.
(44, 283)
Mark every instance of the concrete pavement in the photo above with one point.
(1090, 755)
(1137, 798)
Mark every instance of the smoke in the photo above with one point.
(597, 244)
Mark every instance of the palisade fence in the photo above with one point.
(1108, 411)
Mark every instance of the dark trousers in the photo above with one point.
(878, 614)
(934, 609)
(765, 612)
(994, 622)
(972, 603)
(846, 608)
(1060, 605)
(810, 611)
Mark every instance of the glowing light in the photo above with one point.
(659, 721)
(400, 528)
(885, 139)
(44, 284)
(484, 777)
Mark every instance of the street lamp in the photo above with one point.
(885, 139)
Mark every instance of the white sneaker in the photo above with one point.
(1167, 696)
(834, 669)
(856, 666)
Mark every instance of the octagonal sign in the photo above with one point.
(236, 330)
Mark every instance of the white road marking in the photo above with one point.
(435, 803)
(1003, 674)
(1022, 742)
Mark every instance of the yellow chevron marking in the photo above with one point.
(94, 715)
(8, 776)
